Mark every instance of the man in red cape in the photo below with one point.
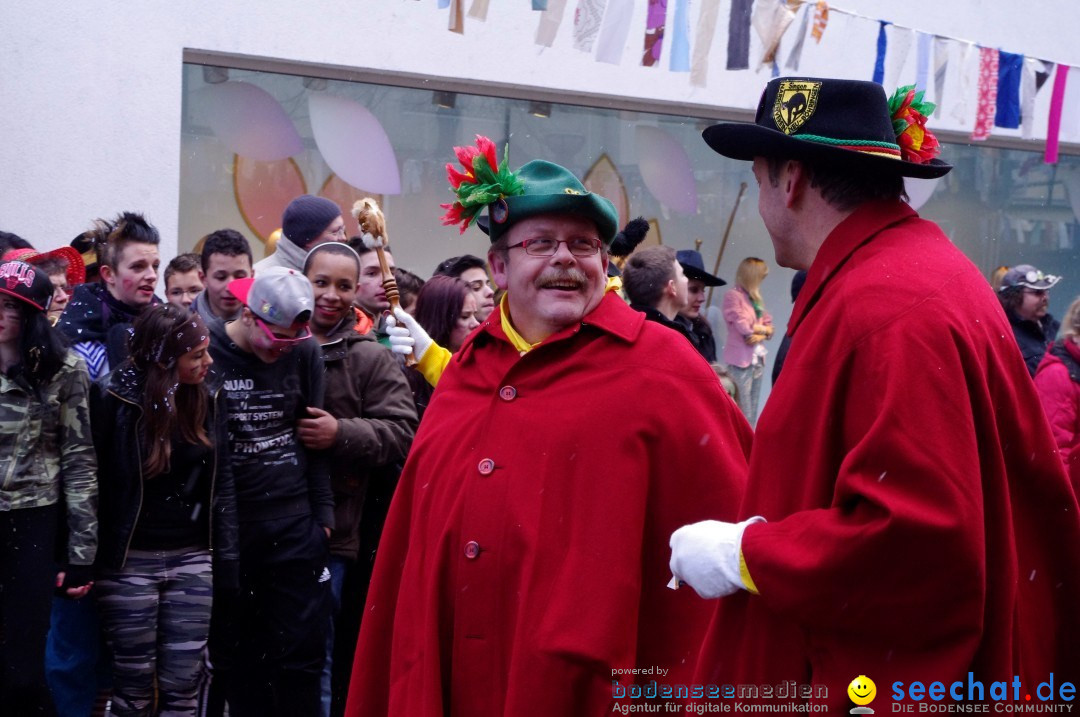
(523, 567)
(909, 519)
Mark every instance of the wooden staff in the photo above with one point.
(727, 233)
(373, 232)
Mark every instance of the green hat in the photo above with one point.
(539, 187)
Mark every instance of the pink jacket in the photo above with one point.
(1060, 397)
(740, 317)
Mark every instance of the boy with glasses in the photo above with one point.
(1024, 294)
(268, 642)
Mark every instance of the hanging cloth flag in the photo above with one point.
(988, 83)
(1053, 125)
(479, 9)
(738, 43)
(1036, 72)
(680, 38)
(1010, 67)
(654, 32)
(539, 5)
(443, 4)
(795, 55)
(706, 29)
(614, 31)
(587, 19)
(457, 22)
(821, 19)
(968, 71)
(771, 20)
(882, 46)
(941, 66)
(922, 61)
(550, 20)
(900, 39)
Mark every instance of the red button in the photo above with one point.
(507, 393)
(472, 550)
(486, 467)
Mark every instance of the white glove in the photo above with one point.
(705, 555)
(410, 337)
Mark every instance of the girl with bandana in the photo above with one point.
(168, 526)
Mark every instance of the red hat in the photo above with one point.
(76, 267)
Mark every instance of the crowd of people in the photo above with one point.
(559, 480)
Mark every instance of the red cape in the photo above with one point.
(524, 563)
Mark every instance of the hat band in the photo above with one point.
(864, 146)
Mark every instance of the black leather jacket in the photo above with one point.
(115, 418)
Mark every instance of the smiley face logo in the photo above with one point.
(862, 690)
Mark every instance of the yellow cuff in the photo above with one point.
(433, 363)
(744, 573)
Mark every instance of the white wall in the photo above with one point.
(90, 92)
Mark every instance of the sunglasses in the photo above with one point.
(276, 340)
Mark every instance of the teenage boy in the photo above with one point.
(226, 256)
(183, 280)
(270, 640)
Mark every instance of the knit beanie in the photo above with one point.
(306, 217)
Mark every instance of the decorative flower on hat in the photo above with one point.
(484, 181)
(909, 114)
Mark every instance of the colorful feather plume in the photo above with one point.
(483, 181)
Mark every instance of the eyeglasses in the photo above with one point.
(478, 284)
(544, 246)
(304, 334)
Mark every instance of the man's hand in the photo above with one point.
(406, 335)
(706, 555)
(74, 593)
(318, 432)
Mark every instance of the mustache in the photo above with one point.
(563, 277)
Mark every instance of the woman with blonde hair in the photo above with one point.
(748, 325)
(1058, 383)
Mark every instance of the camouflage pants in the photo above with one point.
(155, 613)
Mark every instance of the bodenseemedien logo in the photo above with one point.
(862, 692)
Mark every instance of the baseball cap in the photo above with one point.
(278, 296)
(1027, 276)
(26, 283)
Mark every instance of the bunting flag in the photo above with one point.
(1010, 67)
(587, 19)
(941, 67)
(614, 31)
(738, 45)
(964, 87)
(703, 38)
(457, 21)
(655, 17)
(539, 5)
(443, 4)
(821, 19)
(1053, 125)
(922, 61)
(478, 9)
(1035, 74)
(796, 51)
(680, 38)
(771, 20)
(900, 39)
(550, 20)
(882, 46)
(988, 80)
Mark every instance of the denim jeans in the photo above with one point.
(338, 567)
(748, 382)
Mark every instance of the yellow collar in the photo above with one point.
(523, 347)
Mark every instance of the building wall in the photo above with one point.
(91, 92)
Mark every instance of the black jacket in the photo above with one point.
(1033, 337)
(116, 415)
(700, 334)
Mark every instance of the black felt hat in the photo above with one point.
(694, 267)
(845, 122)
